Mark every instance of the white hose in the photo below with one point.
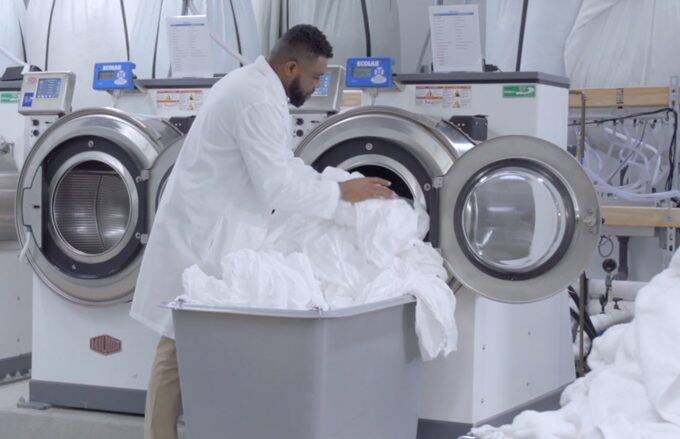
(603, 186)
(643, 160)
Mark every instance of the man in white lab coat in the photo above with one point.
(235, 167)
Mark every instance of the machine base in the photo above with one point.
(108, 399)
(13, 366)
(430, 429)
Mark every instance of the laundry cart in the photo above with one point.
(251, 373)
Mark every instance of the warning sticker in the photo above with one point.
(446, 96)
(182, 100)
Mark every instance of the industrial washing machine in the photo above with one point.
(15, 276)
(87, 195)
(515, 217)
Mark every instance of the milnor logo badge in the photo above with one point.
(368, 63)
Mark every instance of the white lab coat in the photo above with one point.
(235, 167)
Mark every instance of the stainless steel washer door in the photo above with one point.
(86, 204)
(94, 206)
(520, 218)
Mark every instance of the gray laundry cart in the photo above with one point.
(250, 373)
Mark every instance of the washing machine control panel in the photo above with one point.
(328, 94)
(47, 93)
(113, 76)
(369, 72)
(304, 123)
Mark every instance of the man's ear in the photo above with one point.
(291, 68)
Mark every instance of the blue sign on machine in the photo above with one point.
(113, 76)
(369, 72)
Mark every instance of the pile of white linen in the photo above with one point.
(370, 251)
(633, 390)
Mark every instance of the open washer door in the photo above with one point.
(521, 219)
(86, 199)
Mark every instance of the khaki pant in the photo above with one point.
(163, 397)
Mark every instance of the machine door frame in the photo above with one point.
(138, 144)
(540, 169)
(418, 149)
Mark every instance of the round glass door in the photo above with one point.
(520, 219)
(515, 219)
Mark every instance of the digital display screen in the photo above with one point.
(106, 75)
(362, 72)
(324, 84)
(48, 88)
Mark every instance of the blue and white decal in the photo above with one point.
(113, 76)
(369, 73)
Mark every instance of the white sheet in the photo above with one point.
(624, 43)
(633, 390)
(370, 251)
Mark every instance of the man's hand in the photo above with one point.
(361, 189)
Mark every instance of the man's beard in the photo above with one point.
(297, 96)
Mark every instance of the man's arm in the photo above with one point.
(283, 181)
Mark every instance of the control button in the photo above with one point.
(35, 122)
(299, 121)
(299, 133)
(35, 133)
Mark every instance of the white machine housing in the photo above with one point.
(87, 351)
(15, 275)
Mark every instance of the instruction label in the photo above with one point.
(445, 96)
(519, 91)
(182, 100)
(9, 97)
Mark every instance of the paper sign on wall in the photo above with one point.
(456, 38)
(190, 49)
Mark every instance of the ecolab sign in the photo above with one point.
(368, 63)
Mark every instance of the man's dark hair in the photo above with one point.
(301, 41)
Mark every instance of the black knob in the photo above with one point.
(609, 265)
(299, 133)
(299, 121)
(35, 122)
(35, 133)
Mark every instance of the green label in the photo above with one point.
(9, 97)
(519, 91)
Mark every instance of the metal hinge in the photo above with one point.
(143, 237)
(438, 182)
(144, 175)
